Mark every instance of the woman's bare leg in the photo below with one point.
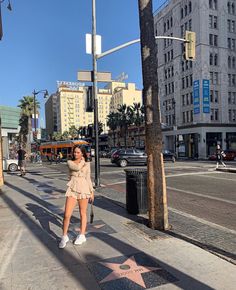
(69, 206)
(83, 204)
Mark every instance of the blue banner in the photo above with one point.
(196, 97)
(206, 96)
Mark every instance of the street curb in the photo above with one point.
(231, 170)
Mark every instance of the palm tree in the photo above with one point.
(65, 135)
(57, 136)
(113, 123)
(138, 117)
(125, 119)
(156, 184)
(73, 131)
(27, 108)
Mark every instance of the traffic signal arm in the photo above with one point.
(190, 45)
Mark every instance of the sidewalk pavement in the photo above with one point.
(117, 254)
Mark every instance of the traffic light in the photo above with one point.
(190, 44)
(90, 101)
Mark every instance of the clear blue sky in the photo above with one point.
(44, 41)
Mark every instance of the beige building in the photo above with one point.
(123, 93)
(67, 107)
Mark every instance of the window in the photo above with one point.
(190, 6)
(182, 13)
(216, 59)
(211, 59)
(229, 62)
(213, 4)
(183, 100)
(185, 10)
(233, 62)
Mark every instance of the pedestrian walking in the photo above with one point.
(219, 156)
(80, 190)
(21, 160)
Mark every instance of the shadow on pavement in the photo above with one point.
(68, 260)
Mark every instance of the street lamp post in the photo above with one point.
(9, 8)
(97, 165)
(45, 92)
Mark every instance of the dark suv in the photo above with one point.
(123, 157)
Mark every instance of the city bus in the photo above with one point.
(50, 150)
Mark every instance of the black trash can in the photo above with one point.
(136, 191)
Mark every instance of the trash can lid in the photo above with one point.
(136, 171)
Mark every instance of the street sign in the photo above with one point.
(86, 76)
(88, 39)
(196, 97)
(206, 96)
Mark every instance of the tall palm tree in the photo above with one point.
(113, 123)
(27, 108)
(125, 119)
(137, 117)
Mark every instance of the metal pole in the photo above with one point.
(35, 127)
(97, 165)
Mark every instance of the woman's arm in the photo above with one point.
(88, 178)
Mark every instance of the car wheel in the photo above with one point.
(123, 163)
(12, 167)
(173, 159)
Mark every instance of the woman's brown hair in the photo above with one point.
(83, 151)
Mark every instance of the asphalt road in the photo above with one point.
(201, 201)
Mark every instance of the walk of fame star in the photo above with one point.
(128, 269)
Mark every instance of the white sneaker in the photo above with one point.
(63, 242)
(80, 240)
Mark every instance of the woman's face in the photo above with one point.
(77, 153)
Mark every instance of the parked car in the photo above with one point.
(124, 157)
(109, 154)
(229, 156)
(10, 164)
(168, 155)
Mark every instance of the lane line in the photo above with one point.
(202, 195)
(192, 173)
(211, 224)
(119, 182)
(218, 177)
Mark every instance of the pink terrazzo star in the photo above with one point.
(129, 269)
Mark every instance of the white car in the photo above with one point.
(10, 164)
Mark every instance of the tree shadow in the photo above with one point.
(69, 260)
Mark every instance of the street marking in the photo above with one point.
(218, 177)
(202, 221)
(202, 195)
(120, 182)
(113, 172)
(192, 173)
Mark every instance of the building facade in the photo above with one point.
(198, 99)
(51, 115)
(67, 107)
(10, 117)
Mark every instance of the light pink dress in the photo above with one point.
(80, 184)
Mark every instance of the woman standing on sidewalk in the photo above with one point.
(79, 190)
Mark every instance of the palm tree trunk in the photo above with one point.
(157, 199)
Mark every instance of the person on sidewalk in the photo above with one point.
(80, 190)
(219, 156)
(21, 160)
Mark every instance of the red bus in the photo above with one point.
(50, 150)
